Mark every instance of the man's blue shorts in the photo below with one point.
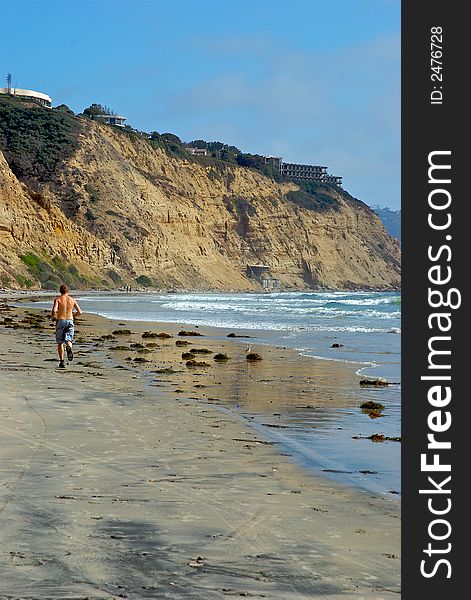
(64, 331)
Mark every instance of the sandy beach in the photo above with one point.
(124, 478)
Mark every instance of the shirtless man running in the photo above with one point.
(63, 313)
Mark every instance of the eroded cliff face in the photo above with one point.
(119, 209)
(31, 222)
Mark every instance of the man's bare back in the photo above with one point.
(64, 307)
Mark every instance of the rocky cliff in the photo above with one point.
(110, 209)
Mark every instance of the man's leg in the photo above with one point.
(68, 347)
(68, 337)
(60, 352)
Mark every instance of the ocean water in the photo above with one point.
(366, 324)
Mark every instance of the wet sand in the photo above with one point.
(124, 479)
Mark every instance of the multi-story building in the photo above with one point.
(299, 171)
(333, 179)
(305, 172)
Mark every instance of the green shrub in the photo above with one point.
(23, 281)
(6, 280)
(144, 281)
(36, 266)
(51, 272)
(214, 174)
(171, 138)
(115, 277)
(51, 284)
(31, 260)
(97, 109)
(169, 142)
(313, 195)
(59, 264)
(36, 141)
(64, 108)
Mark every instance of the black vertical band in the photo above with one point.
(435, 358)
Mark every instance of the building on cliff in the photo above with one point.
(301, 171)
(115, 120)
(38, 97)
(197, 151)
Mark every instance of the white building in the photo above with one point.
(111, 120)
(197, 151)
(38, 97)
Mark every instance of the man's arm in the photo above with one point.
(54, 310)
(78, 312)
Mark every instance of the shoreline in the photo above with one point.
(135, 481)
(150, 290)
(247, 331)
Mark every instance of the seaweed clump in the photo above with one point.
(189, 333)
(377, 437)
(372, 409)
(151, 334)
(253, 356)
(376, 382)
(370, 405)
(235, 335)
(196, 363)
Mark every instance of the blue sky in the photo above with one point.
(315, 81)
